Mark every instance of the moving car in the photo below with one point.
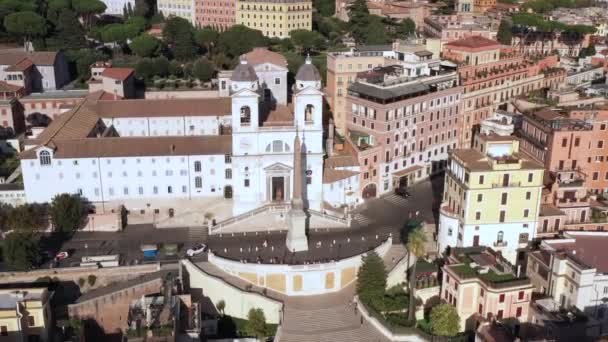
(402, 192)
(196, 249)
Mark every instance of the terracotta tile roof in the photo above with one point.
(138, 146)
(76, 123)
(105, 96)
(333, 175)
(38, 58)
(22, 65)
(164, 107)
(549, 210)
(6, 87)
(261, 55)
(344, 160)
(117, 73)
(474, 42)
(73, 134)
(279, 116)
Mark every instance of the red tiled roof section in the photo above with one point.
(117, 73)
(261, 55)
(474, 42)
(333, 175)
(22, 65)
(138, 146)
(165, 107)
(6, 87)
(105, 96)
(279, 116)
(39, 57)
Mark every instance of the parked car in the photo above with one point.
(402, 192)
(62, 255)
(196, 249)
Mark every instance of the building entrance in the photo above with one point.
(278, 189)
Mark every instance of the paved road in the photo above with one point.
(373, 222)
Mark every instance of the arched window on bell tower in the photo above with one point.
(245, 116)
(309, 114)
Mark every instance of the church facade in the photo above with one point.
(237, 146)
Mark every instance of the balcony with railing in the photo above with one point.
(506, 185)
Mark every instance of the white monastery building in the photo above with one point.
(238, 146)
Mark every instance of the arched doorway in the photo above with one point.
(228, 192)
(369, 191)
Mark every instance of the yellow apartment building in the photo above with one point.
(25, 314)
(491, 197)
(275, 18)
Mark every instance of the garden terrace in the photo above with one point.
(486, 265)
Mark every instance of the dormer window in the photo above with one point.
(45, 158)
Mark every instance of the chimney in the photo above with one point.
(115, 94)
(330, 138)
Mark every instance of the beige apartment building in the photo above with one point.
(342, 69)
(25, 314)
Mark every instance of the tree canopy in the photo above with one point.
(416, 247)
(544, 6)
(504, 34)
(256, 324)
(178, 34)
(87, 9)
(21, 251)
(240, 39)
(145, 46)
(206, 38)
(540, 23)
(67, 212)
(27, 217)
(203, 70)
(25, 25)
(68, 32)
(324, 7)
(444, 320)
(307, 40)
(371, 278)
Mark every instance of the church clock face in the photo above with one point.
(245, 144)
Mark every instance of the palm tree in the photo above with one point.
(416, 241)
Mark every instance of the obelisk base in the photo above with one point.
(297, 240)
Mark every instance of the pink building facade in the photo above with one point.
(490, 290)
(402, 129)
(219, 14)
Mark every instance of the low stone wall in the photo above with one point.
(204, 287)
(298, 280)
(396, 276)
(413, 336)
(105, 222)
(104, 276)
